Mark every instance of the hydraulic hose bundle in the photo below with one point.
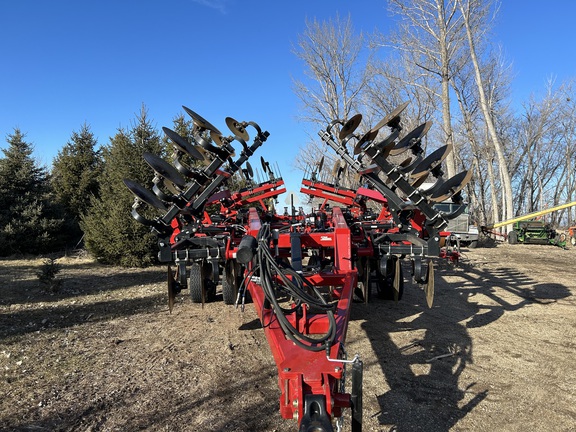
(278, 280)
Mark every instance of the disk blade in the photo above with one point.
(264, 164)
(350, 126)
(335, 168)
(164, 169)
(144, 194)
(383, 147)
(412, 139)
(321, 164)
(392, 119)
(237, 128)
(396, 283)
(431, 161)
(429, 288)
(182, 144)
(419, 181)
(451, 186)
(201, 122)
(366, 139)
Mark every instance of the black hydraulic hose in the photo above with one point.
(293, 285)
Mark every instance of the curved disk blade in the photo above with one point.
(205, 154)
(451, 186)
(383, 147)
(391, 119)
(144, 194)
(429, 288)
(367, 138)
(397, 276)
(419, 181)
(237, 128)
(182, 144)
(335, 168)
(388, 142)
(265, 165)
(220, 140)
(171, 289)
(249, 170)
(201, 122)
(411, 139)
(431, 161)
(321, 164)
(164, 169)
(350, 126)
(406, 162)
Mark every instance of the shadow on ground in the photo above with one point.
(423, 372)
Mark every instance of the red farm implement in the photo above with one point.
(302, 271)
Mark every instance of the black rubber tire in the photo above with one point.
(513, 237)
(196, 284)
(229, 285)
(385, 284)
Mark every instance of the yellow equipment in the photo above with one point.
(532, 231)
(529, 216)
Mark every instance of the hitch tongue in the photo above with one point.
(315, 418)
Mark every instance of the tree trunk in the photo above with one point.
(445, 74)
(505, 175)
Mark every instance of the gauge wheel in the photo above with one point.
(196, 282)
(229, 283)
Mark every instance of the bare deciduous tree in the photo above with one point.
(336, 73)
(430, 36)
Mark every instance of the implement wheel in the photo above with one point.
(230, 282)
(196, 282)
(202, 287)
(513, 237)
(385, 282)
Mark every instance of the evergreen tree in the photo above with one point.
(30, 222)
(75, 174)
(111, 234)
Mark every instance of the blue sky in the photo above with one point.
(70, 62)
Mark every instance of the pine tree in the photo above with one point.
(75, 174)
(111, 234)
(29, 221)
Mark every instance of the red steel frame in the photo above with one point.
(300, 371)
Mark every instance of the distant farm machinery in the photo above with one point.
(302, 271)
(529, 228)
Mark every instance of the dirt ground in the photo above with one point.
(497, 352)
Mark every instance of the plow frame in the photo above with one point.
(310, 381)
